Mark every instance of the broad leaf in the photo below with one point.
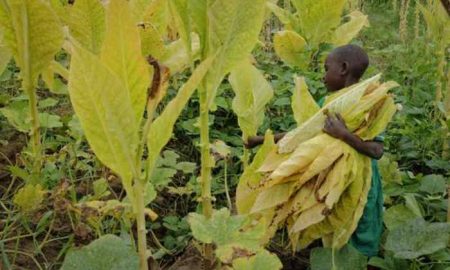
(33, 34)
(104, 109)
(181, 18)
(226, 232)
(290, 47)
(417, 238)
(161, 129)
(303, 104)
(397, 215)
(87, 24)
(176, 57)
(233, 29)
(349, 30)
(433, 184)
(5, 54)
(246, 192)
(262, 260)
(346, 258)
(121, 53)
(252, 93)
(108, 252)
(317, 18)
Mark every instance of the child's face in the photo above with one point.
(334, 78)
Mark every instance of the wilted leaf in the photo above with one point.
(109, 252)
(417, 238)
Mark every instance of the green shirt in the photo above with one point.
(367, 235)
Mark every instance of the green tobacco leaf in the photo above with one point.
(182, 22)
(433, 184)
(138, 8)
(161, 129)
(109, 252)
(86, 23)
(283, 15)
(176, 57)
(33, 34)
(233, 29)
(29, 197)
(198, 15)
(290, 47)
(246, 194)
(252, 93)
(5, 53)
(303, 104)
(317, 18)
(104, 109)
(397, 215)
(121, 53)
(417, 238)
(226, 232)
(344, 259)
(262, 260)
(349, 30)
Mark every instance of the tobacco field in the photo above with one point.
(125, 129)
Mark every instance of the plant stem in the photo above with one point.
(448, 203)
(139, 189)
(225, 178)
(34, 132)
(205, 173)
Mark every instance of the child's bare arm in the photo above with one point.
(254, 141)
(335, 126)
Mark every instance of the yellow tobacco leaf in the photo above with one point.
(303, 104)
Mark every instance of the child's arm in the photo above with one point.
(254, 141)
(335, 126)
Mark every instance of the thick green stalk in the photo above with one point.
(139, 188)
(35, 127)
(205, 173)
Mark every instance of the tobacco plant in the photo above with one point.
(111, 90)
(31, 33)
(314, 23)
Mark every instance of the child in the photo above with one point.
(345, 66)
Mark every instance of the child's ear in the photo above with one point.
(344, 68)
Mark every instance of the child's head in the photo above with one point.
(344, 66)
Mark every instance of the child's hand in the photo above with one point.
(335, 126)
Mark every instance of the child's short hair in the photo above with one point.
(355, 56)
